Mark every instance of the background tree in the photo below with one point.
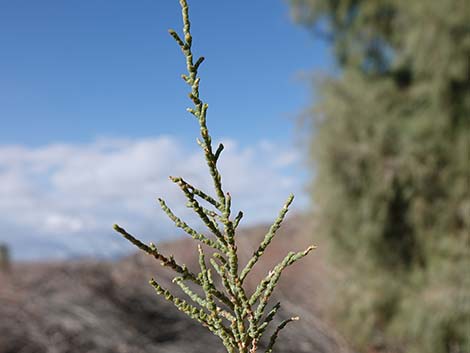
(390, 148)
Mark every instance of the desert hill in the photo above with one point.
(91, 306)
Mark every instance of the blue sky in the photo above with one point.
(89, 86)
(75, 70)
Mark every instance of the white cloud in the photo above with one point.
(62, 199)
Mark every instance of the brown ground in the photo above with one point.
(101, 307)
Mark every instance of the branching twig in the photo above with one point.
(234, 318)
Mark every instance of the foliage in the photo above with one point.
(390, 148)
(237, 318)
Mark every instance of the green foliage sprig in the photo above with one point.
(231, 313)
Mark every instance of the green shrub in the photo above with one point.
(390, 149)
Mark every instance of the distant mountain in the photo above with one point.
(108, 307)
(65, 246)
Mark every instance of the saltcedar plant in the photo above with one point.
(237, 317)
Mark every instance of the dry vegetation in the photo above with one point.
(102, 307)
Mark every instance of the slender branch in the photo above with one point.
(275, 335)
(200, 108)
(152, 250)
(267, 239)
(197, 192)
(187, 190)
(268, 284)
(268, 320)
(184, 226)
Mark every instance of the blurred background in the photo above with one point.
(359, 107)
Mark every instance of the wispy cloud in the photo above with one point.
(62, 199)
